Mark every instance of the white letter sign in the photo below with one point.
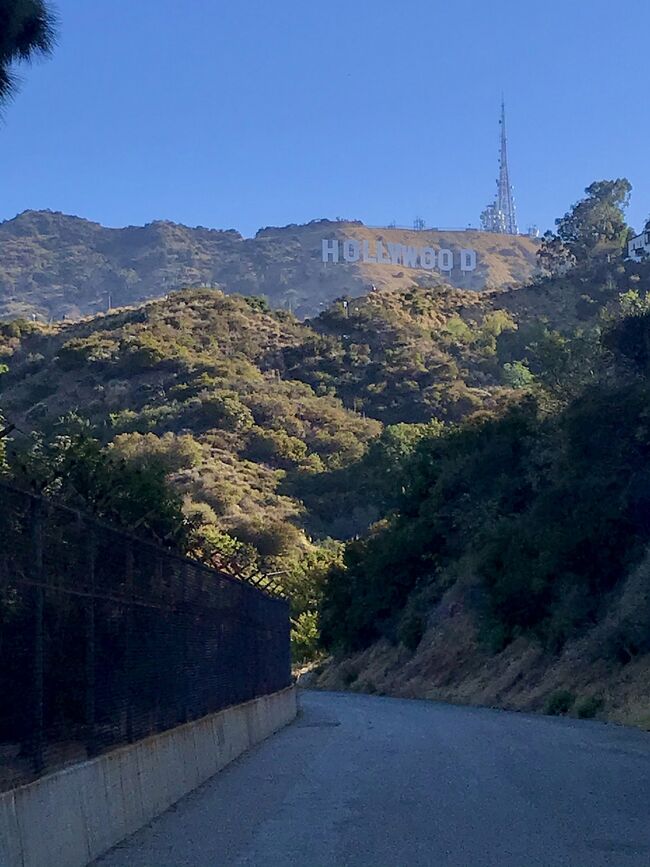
(351, 250)
(446, 260)
(468, 260)
(330, 251)
(391, 253)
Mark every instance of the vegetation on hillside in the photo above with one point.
(173, 420)
(546, 511)
(406, 356)
(539, 510)
(56, 266)
(426, 427)
(594, 229)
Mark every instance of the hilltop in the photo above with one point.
(59, 266)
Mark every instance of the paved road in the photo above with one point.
(377, 782)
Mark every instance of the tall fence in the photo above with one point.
(105, 638)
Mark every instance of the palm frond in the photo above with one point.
(27, 29)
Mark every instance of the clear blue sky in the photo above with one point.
(255, 113)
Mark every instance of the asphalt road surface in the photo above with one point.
(360, 780)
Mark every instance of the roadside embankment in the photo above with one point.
(451, 664)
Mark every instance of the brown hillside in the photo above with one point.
(57, 266)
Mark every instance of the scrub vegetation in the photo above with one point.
(532, 520)
(373, 456)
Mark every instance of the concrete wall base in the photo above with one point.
(73, 816)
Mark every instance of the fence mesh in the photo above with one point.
(105, 638)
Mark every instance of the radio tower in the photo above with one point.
(501, 216)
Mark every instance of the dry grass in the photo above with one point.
(451, 665)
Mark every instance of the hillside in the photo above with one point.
(511, 565)
(257, 417)
(280, 407)
(289, 437)
(58, 266)
(273, 405)
(193, 378)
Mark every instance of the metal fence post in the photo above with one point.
(185, 681)
(90, 704)
(37, 744)
(156, 671)
(128, 651)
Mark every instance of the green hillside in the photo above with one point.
(413, 422)
(197, 370)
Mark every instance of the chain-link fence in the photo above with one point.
(105, 638)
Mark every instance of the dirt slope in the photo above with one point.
(451, 664)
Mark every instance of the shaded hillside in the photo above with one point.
(415, 353)
(576, 299)
(511, 566)
(271, 429)
(58, 266)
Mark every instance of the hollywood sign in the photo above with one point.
(351, 250)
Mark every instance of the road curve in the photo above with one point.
(377, 782)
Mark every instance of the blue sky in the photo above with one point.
(256, 113)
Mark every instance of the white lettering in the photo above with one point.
(468, 260)
(366, 253)
(388, 253)
(351, 250)
(410, 256)
(446, 260)
(330, 251)
(428, 258)
(381, 258)
(395, 252)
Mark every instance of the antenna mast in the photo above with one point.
(501, 216)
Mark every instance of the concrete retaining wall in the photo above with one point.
(69, 818)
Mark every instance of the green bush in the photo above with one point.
(517, 375)
(560, 702)
(304, 637)
(588, 707)
(276, 448)
(141, 353)
(80, 351)
(411, 629)
(222, 410)
(270, 538)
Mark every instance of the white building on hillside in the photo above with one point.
(639, 248)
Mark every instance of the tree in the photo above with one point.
(595, 227)
(554, 257)
(76, 469)
(27, 29)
